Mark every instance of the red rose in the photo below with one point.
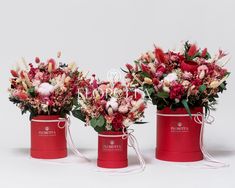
(176, 91)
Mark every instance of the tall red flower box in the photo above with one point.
(178, 135)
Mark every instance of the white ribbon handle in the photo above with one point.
(70, 139)
(207, 120)
(132, 142)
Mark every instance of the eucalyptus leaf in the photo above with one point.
(163, 94)
(185, 103)
(31, 92)
(202, 88)
(93, 122)
(100, 121)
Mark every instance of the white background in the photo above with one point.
(100, 36)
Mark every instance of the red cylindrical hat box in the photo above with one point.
(178, 137)
(48, 139)
(112, 150)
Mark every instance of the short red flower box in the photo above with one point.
(112, 150)
(48, 139)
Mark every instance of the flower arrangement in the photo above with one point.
(47, 88)
(109, 106)
(190, 78)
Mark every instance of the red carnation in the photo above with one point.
(161, 69)
(176, 91)
(197, 82)
(155, 81)
(117, 122)
(192, 50)
(159, 55)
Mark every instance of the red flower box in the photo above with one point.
(112, 150)
(48, 139)
(178, 135)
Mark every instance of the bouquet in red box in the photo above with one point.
(47, 90)
(180, 84)
(110, 108)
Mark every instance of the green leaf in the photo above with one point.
(93, 122)
(144, 74)
(208, 56)
(31, 92)
(163, 94)
(202, 88)
(75, 102)
(97, 122)
(185, 103)
(100, 121)
(222, 86)
(99, 129)
(78, 114)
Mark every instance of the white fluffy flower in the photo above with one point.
(171, 77)
(45, 89)
(112, 103)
